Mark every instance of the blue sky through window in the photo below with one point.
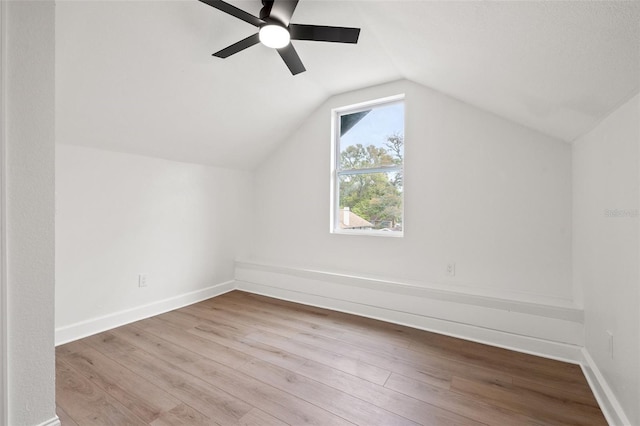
(376, 126)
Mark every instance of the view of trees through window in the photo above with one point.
(370, 169)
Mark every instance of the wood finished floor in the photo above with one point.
(243, 359)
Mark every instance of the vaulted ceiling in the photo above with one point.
(139, 77)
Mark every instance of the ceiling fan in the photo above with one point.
(277, 31)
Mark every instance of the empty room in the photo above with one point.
(314, 212)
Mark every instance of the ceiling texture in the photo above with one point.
(138, 76)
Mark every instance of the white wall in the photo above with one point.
(28, 123)
(119, 215)
(490, 195)
(606, 264)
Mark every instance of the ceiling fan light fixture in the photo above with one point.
(274, 36)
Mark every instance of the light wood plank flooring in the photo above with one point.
(243, 359)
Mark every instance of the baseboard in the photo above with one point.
(55, 421)
(379, 300)
(545, 330)
(97, 325)
(608, 402)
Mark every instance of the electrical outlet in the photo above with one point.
(142, 280)
(610, 343)
(451, 269)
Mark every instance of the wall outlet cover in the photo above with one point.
(142, 280)
(451, 269)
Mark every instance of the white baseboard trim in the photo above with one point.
(55, 421)
(548, 331)
(97, 325)
(340, 294)
(608, 402)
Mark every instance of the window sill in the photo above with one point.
(368, 233)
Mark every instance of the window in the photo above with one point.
(368, 161)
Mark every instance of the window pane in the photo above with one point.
(372, 138)
(368, 169)
(370, 201)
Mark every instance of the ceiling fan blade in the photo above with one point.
(234, 11)
(323, 33)
(282, 10)
(291, 58)
(239, 46)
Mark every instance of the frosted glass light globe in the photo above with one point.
(274, 36)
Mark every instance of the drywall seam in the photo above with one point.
(607, 400)
(107, 322)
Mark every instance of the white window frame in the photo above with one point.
(336, 113)
(4, 386)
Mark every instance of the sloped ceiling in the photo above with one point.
(139, 77)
